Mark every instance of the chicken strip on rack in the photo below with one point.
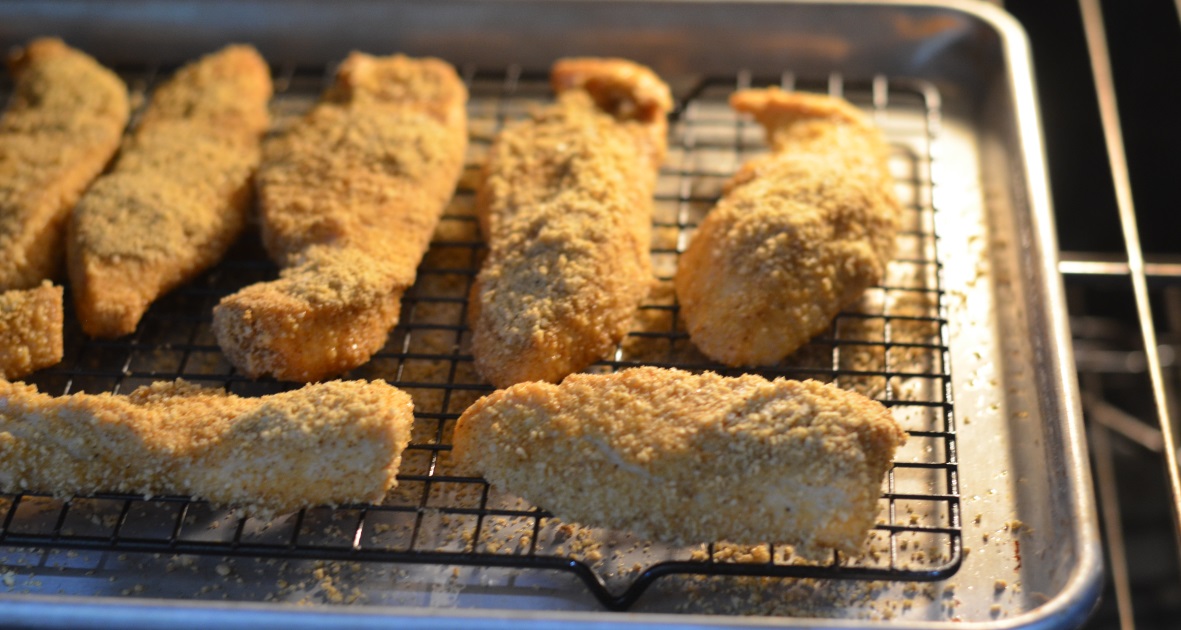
(350, 197)
(30, 330)
(62, 125)
(178, 196)
(798, 235)
(326, 444)
(566, 207)
(689, 458)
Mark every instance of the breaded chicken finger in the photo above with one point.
(62, 126)
(689, 458)
(798, 235)
(30, 330)
(178, 196)
(566, 207)
(350, 197)
(331, 443)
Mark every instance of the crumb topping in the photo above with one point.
(63, 123)
(565, 204)
(331, 443)
(30, 330)
(693, 458)
(798, 235)
(349, 199)
(179, 193)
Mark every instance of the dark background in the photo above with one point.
(1144, 39)
(1144, 42)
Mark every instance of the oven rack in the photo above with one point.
(893, 347)
(1125, 308)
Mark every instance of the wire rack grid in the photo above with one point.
(893, 346)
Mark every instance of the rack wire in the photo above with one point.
(892, 346)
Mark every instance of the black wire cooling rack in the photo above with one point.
(893, 347)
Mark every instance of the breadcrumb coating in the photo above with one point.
(30, 330)
(63, 124)
(690, 458)
(332, 443)
(565, 204)
(798, 235)
(350, 197)
(178, 196)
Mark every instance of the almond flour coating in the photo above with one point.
(63, 124)
(566, 207)
(350, 197)
(798, 235)
(690, 458)
(332, 443)
(30, 330)
(178, 196)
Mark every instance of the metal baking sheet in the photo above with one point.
(990, 499)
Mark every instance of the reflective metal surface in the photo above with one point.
(1031, 552)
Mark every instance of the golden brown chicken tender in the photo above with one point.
(689, 458)
(30, 330)
(62, 126)
(331, 443)
(178, 196)
(350, 197)
(798, 235)
(566, 207)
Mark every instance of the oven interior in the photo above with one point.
(1122, 408)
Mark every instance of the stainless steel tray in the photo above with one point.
(987, 518)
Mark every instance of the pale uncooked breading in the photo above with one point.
(178, 196)
(30, 330)
(326, 444)
(565, 204)
(798, 235)
(689, 458)
(63, 124)
(349, 197)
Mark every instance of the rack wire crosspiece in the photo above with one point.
(893, 346)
